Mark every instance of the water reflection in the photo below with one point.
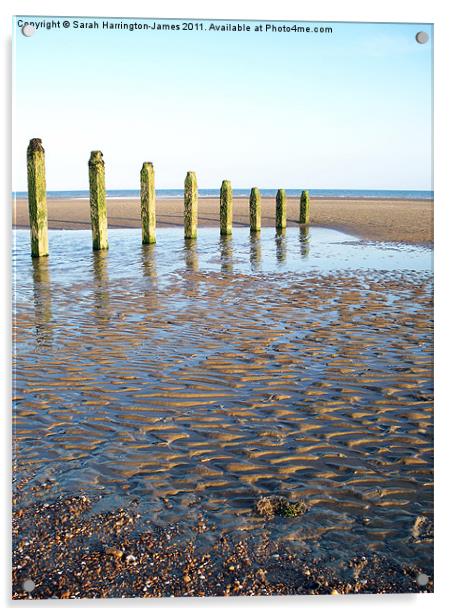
(99, 266)
(191, 255)
(148, 262)
(255, 250)
(42, 301)
(281, 246)
(150, 273)
(305, 239)
(226, 253)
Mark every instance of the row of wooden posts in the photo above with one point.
(37, 203)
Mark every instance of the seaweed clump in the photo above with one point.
(271, 506)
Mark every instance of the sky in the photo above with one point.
(350, 109)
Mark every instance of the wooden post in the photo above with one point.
(37, 198)
(281, 209)
(304, 208)
(226, 208)
(97, 200)
(191, 206)
(255, 209)
(147, 182)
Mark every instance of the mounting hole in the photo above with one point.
(28, 585)
(422, 37)
(422, 579)
(28, 30)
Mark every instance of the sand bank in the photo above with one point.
(372, 219)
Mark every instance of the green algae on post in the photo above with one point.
(281, 209)
(97, 200)
(255, 209)
(37, 198)
(147, 182)
(226, 208)
(304, 208)
(190, 206)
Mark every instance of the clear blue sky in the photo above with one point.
(352, 109)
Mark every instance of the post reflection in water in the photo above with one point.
(255, 250)
(99, 266)
(281, 246)
(42, 301)
(305, 240)
(150, 276)
(148, 262)
(191, 255)
(226, 253)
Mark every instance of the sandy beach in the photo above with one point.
(408, 221)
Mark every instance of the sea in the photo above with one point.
(204, 193)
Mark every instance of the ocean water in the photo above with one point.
(172, 193)
(292, 250)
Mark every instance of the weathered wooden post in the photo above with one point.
(97, 200)
(147, 182)
(304, 208)
(37, 198)
(191, 206)
(255, 209)
(226, 208)
(281, 209)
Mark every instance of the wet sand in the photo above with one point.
(195, 394)
(372, 219)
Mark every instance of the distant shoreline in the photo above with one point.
(392, 220)
(203, 197)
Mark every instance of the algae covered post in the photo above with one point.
(255, 209)
(190, 205)
(281, 209)
(37, 198)
(97, 200)
(226, 208)
(304, 208)
(147, 183)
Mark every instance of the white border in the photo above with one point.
(432, 11)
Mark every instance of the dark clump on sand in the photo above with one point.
(270, 506)
(63, 549)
